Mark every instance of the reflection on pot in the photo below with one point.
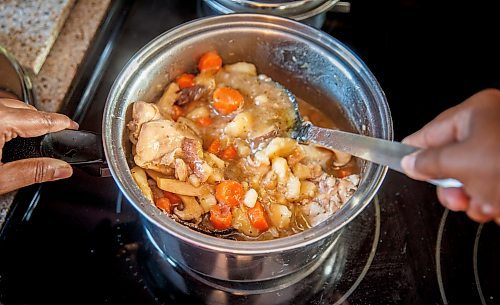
(14, 82)
(310, 12)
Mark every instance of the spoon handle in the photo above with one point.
(376, 150)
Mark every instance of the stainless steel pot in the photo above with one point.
(311, 12)
(313, 65)
(13, 78)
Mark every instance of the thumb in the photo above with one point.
(435, 163)
(17, 174)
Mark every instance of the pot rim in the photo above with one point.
(117, 160)
(297, 10)
(24, 79)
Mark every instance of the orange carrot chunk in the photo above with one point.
(214, 147)
(227, 100)
(229, 153)
(257, 217)
(210, 61)
(185, 80)
(204, 121)
(221, 217)
(164, 204)
(229, 193)
(174, 199)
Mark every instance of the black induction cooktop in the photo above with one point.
(78, 241)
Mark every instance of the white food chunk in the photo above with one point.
(242, 67)
(292, 188)
(240, 125)
(280, 215)
(250, 198)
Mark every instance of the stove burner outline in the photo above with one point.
(373, 248)
(474, 259)
(438, 257)
(370, 257)
(474, 262)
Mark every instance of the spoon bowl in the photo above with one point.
(380, 151)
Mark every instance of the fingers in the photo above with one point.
(454, 199)
(477, 213)
(17, 174)
(436, 163)
(31, 123)
(12, 103)
(446, 128)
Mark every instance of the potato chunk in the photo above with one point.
(141, 179)
(292, 188)
(280, 215)
(242, 67)
(240, 125)
(241, 223)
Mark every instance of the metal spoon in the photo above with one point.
(376, 150)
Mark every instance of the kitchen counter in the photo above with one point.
(61, 66)
(5, 203)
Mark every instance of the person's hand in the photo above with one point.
(463, 143)
(18, 119)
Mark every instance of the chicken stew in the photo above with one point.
(213, 153)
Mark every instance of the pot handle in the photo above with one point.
(79, 148)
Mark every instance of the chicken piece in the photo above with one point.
(333, 193)
(158, 140)
(193, 154)
(317, 155)
(142, 112)
(167, 100)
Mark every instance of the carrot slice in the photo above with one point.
(341, 173)
(214, 147)
(227, 100)
(177, 112)
(174, 199)
(210, 61)
(229, 192)
(257, 217)
(185, 80)
(164, 204)
(229, 153)
(205, 121)
(221, 217)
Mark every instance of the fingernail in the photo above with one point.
(486, 209)
(63, 172)
(408, 163)
(74, 125)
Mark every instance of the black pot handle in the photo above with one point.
(79, 148)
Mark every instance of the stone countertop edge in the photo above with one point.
(28, 29)
(56, 76)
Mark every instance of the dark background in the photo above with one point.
(427, 55)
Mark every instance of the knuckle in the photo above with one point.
(41, 172)
(47, 121)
